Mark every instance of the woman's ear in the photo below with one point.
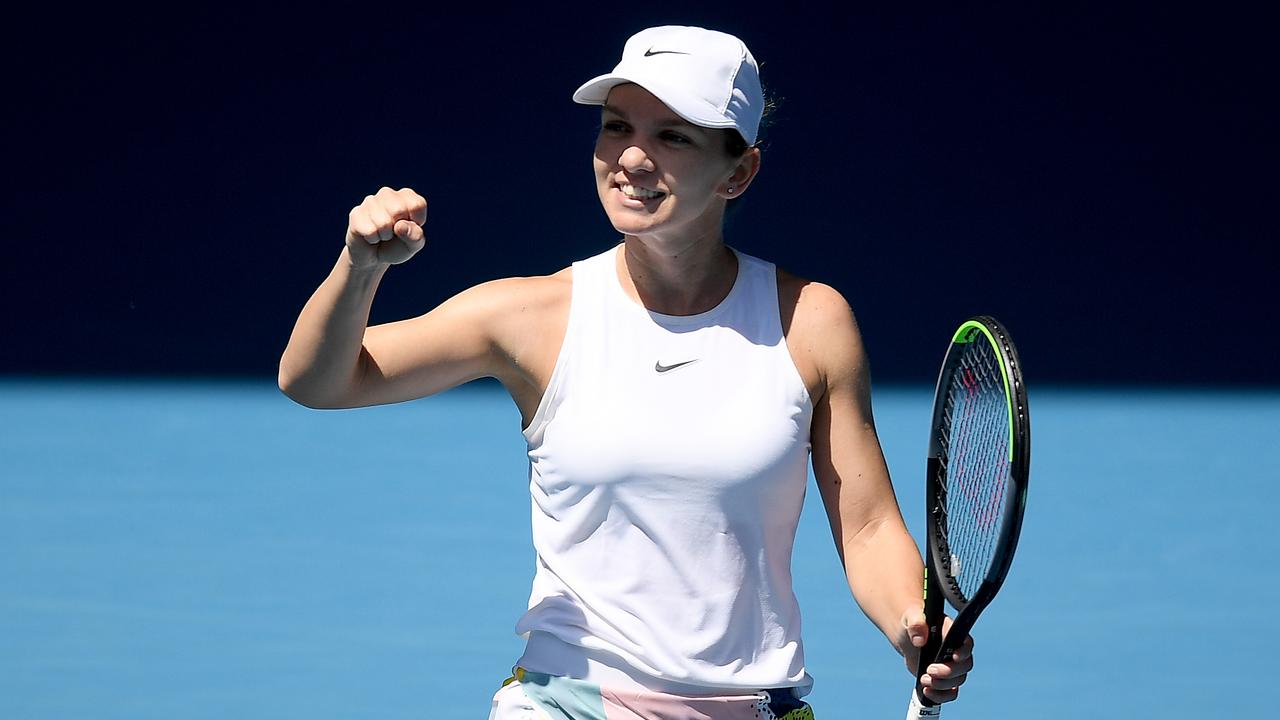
(743, 173)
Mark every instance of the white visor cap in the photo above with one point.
(706, 77)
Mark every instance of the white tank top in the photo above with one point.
(668, 462)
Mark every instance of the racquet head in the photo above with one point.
(979, 455)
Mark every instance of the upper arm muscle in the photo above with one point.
(477, 333)
(847, 459)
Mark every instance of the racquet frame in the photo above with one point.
(938, 583)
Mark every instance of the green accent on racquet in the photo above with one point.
(967, 333)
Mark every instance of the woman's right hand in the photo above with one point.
(386, 229)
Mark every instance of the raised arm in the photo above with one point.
(334, 360)
(881, 561)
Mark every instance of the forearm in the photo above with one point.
(885, 573)
(322, 359)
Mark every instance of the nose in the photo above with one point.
(635, 159)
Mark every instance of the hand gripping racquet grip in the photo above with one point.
(916, 710)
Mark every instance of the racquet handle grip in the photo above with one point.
(917, 710)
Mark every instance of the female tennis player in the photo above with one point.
(672, 391)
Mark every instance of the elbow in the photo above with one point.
(293, 390)
(314, 402)
(300, 392)
(319, 387)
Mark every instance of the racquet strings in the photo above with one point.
(975, 465)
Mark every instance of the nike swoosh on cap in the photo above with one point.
(658, 366)
(651, 52)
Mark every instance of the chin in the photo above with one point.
(631, 230)
(631, 224)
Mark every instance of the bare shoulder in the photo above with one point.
(527, 327)
(509, 329)
(814, 304)
(523, 318)
(519, 294)
(544, 287)
(821, 331)
(528, 308)
(486, 314)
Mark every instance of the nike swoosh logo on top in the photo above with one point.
(651, 52)
(658, 366)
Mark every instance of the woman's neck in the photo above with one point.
(677, 277)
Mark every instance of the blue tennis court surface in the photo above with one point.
(210, 550)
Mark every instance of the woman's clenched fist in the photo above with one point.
(386, 229)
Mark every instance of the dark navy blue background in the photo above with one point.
(180, 181)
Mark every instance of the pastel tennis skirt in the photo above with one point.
(536, 696)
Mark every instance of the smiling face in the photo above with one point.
(659, 175)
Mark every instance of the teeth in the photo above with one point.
(632, 191)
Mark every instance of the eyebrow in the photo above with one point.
(674, 121)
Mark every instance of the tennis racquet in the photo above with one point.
(975, 486)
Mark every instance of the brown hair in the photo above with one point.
(735, 145)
